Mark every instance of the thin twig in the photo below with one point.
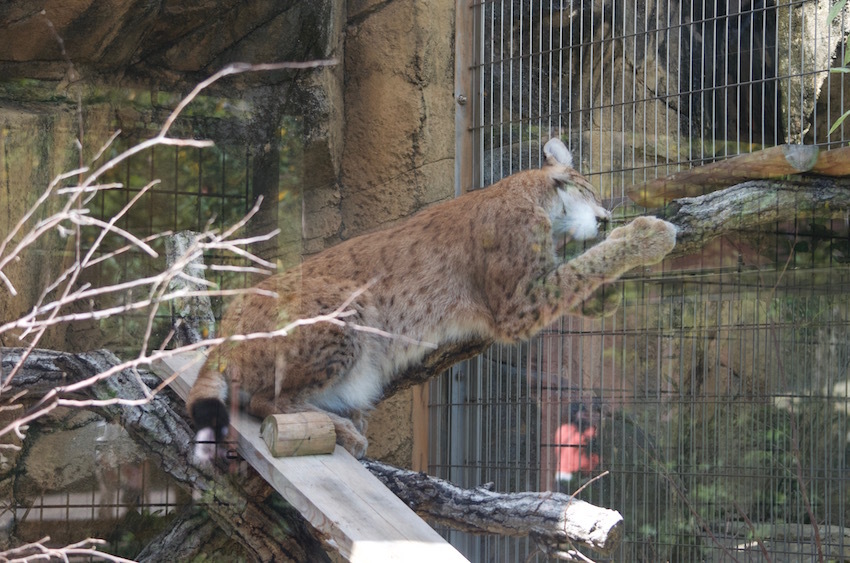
(589, 482)
(753, 531)
(37, 551)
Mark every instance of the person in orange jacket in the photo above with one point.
(574, 455)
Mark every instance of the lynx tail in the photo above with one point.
(208, 411)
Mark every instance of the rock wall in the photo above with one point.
(398, 152)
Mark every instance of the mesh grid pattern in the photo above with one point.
(102, 485)
(717, 396)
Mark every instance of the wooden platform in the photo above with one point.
(361, 518)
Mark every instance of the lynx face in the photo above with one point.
(482, 265)
(577, 214)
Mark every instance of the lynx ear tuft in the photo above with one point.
(557, 153)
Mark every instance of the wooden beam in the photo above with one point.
(421, 440)
(467, 97)
(358, 516)
(771, 163)
(835, 162)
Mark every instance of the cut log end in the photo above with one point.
(598, 528)
(297, 434)
(801, 157)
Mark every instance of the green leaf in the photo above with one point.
(840, 69)
(835, 10)
(838, 122)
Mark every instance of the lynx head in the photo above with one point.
(577, 210)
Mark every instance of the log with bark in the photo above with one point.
(267, 531)
(555, 520)
(768, 164)
(754, 204)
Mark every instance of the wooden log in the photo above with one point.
(163, 434)
(301, 433)
(272, 531)
(835, 162)
(319, 485)
(774, 162)
(436, 362)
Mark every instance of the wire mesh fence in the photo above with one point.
(80, 476)
(717, 397)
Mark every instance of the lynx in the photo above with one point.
(481, 265)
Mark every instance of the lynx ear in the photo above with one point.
(557, 153)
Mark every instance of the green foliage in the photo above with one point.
(834, 11)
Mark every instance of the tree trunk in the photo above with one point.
(246, 511)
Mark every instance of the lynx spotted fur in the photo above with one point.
(483, 264)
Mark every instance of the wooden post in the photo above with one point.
(301, 433)
(419, 461)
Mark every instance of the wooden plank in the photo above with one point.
(182, 369)
(421, 441)
(358, 516)
(467, 97)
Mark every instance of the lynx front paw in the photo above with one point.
(647, 239)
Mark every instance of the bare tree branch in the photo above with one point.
(748, 206)
(75, 214)
(38, 551)
(555, 520)
(52, 306)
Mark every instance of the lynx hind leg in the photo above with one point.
(349, 434)
(360, 420)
